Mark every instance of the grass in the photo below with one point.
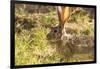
(31, 44)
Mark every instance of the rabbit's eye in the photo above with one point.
(55, 31)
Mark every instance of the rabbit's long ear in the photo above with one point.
(63, 14)
(66, 14)
(59, 10)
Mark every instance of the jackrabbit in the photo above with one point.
(58, 33)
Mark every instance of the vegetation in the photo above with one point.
(32, 25)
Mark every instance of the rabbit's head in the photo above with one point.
(58, 31)
(54, 34)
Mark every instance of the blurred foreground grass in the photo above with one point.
(31, 29)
